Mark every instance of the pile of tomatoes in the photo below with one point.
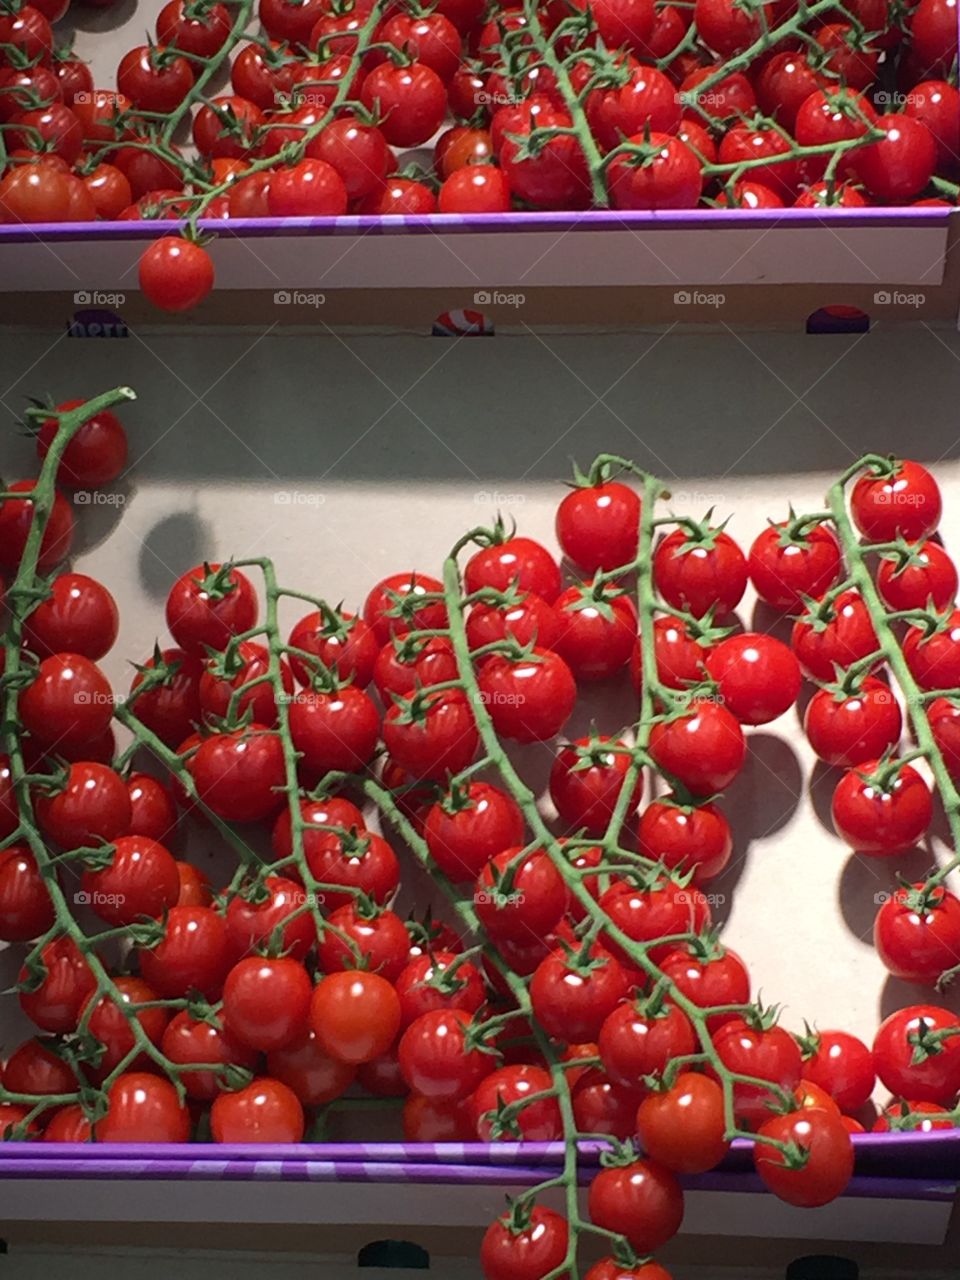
(472, 106)
(585, 975)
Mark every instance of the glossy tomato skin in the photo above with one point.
(194, 954)
(673, 179)
(55, 1005)
(239, 775)
(266, 1002)
(68, 703)
(412, 101)
(380, 938)
(186, 1040)
(16, 518)
(636, 1041)
(516, 561)
(934, 658)
(943, 717)
(435, 737)
(829, 1163)
(397, 605)
(93, 805)
(598, 525)
(529, 700)
(931, 577)
(265, 1111)
(465, 830)
(641, 1201)
(152, 84)
(520, 895)
(208, 605)
(530, 621)
(705, 749)
(337, 730)
(345, 644)
(421, 986)
(757, 676)
(201, 36)
(277, 903)
(700, 574)
(770, 1054)
(610, 1269)
(596, 634)
(140, 879)
(586, 781)
(175, 274)
(170, 708)
(310, 189)
(898, 166)
(536, 1122)
(846, 730)
(906, 503)
(683, 1128)
(917, 934)
(846, 637)
(572, 1001)
(107, 1023)
(142, 1107)
(96, 453)
(784, 569)
(79, 616)
(220, 683)
(355, 1016)
(437, 1058)
(881, 821)
(843, 1066)
(937, 1077)
(313, 1075)
(527, 1252)
(686, 837)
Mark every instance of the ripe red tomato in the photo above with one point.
(700, 571)
(934, 656)
(34, 1067)
(96, 454)
(334, 730)
(943, 717)
(223, 684)
(661, 909)
(404, 602)
(896, 168)
(28, 30)
(530, 621)
(202, 36)
(895, 1117)
(56, 1003)
(408, 664)
(195, 890)
(439, 1057)
(468, 826)
(140, 878)
(597, 630)
(264, 1111)
(187, 1040)
(905, 502)
(507, 1087)
(765, 1054)
(380, 942)
(175, 274)
(530, 699)
(462, 147)
(786, 565)
(107, 1023)
(586, 780)
(693, 838)
(67, 704)
(518, 562)
(343, 643)
(828, 1165)
(227, 127)
(704, 748)
(239, 775)
(624, 22)
(783, 83)
(832, 636)
(91, 805)
(641, 1037)
(275, 903)
(881, 814)
(830, 116)
(758, 678)
(556, 176)
(572, 998)
(355, 1016)
(475, 189)
(683, 1128)
(645, 99)
(310, 189)
(410, 102)
(840, 1064)
(610, 1269)
(42, 192)
(154, 78)
(313, 1075)
(431, 735)
(845, 729)
(936, 103)
(16, 518)
(194, 954)
(520, 895)
(671, 180)
(142, 1107)
(641, 1200)
(26, 911)
(526, 1243)
(598, 525)
(266, 1002)
(399, 196)
(917, 933)
(928, 576)
(424, 984)
(729, 29)
(78, 616)
(209, 604)
(167, 689)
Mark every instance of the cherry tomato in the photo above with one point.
(343, 643)
(556, 176)
(828, 1151)
(397, 605)
(894, 1118)
(313, 1075)
(572, 998)
(519, 895)
(610, 1269)
(944, 720)
(683, 1128)
(67, 704)
(91, 806)
(470, 825)
(509, 1087)
(660, 909)
(700, 571)
(54, 1003)
(337, 730)
(26, 910)
(266, 1003)
(35, 1067)
(934, 657)
(766, 1054)
(529, 700)
(202, 35)
(410, 102)
(936, 103)
(693, 838)
(929, 576)
(247, 665)
(271, 909)
(143, 1108)
(239, 775)
(903, 503)
(640, 1038)
(355, 1016)
(842, 1065)
(878, 815)
(917, 933)
(264, 1111)
(107, 1022)
(586, 780)
(598, 525)
(641, 1200)
(515, 561)
(787, 565)
(757, 677)
(845, 729)
(424, 985)
(310, 189)
(168, 702)
(896, 168)
(432, 735)
(187, 1040)
(194, 954)
(380, 942)
(703, 748)
(597, 632)
(524, 1245)
(671, 180)
(139, 879)
(16, 518)
(175, 274)
(836, 635)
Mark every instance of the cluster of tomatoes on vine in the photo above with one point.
(328, 96)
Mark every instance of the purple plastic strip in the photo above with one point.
(499, 223)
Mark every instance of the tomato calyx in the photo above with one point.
(927, 1042)
(903, 555)
(878, 466)
(620, 1154)
(761, 1018)
(794, 531)
(597, 751)
(156, 673)
(415, 707)
(884, 777)
(407, 604)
